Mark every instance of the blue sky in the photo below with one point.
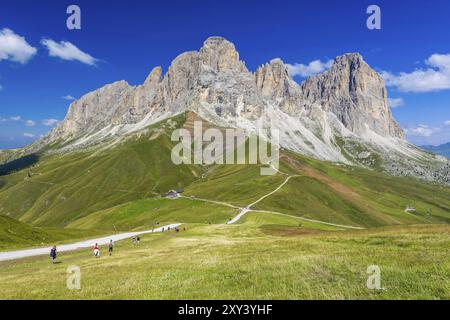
(126, 39)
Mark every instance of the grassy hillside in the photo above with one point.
(266, 257)
(237, 184)
(5, 155)
(313, 195)
(301, 247)
(60, 189)
(329, 192)
(15, 234)
(147, 213)
(118, 187)
(350, 195)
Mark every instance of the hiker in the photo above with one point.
(111, 247)
(138, 240)
(96, 251)
(53, 254)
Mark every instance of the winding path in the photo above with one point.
(309, 220)
(244, 210)
(13, 255)
(271, 193)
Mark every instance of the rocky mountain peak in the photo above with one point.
(273, 79)
(216, 42)
(221, 55)
(356, 94)
(341, 115)
(352, 57)
(154, 77)
(216, 81)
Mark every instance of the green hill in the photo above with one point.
(118, 186)
(60, 189)
(297, 242)
(15, 234)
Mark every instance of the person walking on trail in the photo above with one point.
(53, 254)
(138, 240)
(111, 247)
(96, 251)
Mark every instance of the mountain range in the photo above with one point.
(107, 165)
(341, 115)
(443, 149)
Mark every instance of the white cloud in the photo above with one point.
(14, 47)
(67, 51)
(29, 135)
(434, 78)
(422, 130)
(30, 123)
(313, 68)
(11, 119)
(447, 123)
(68, 97)
(423, 134)
(396, 102)
(49, 122)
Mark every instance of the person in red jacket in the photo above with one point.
(96, 251)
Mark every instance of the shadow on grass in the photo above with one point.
(18, 164)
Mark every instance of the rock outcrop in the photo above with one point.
(356, 94)
(275, 83)
(338, 115)
(215, 76)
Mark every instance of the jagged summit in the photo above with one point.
(220, 54)
(341, 115)
(351, 56)
(155, 76)
(356, 94)
(350, 89)
(216, 41)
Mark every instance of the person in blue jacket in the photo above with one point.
(53, 254)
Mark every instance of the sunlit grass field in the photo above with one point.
(264, 257)
(61, 198)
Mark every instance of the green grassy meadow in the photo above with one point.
(295, 252)
(265, 257)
